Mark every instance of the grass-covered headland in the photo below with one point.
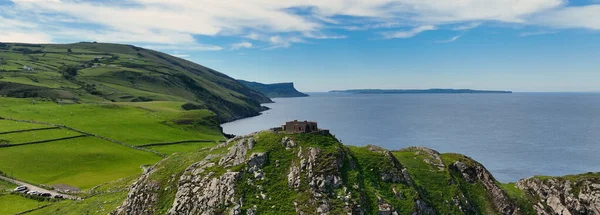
(277, 173)
(134, 131)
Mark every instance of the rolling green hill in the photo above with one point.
(278, 90)
(100, 72)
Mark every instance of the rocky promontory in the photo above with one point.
(277, 173)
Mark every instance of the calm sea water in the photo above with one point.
(513, 135)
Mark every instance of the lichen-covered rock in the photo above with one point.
(294, 177)
(563, 196)
(256, 161)
(237, 153)
(477, 173)
(142, 196)
(288, 143)
(205, 194)
(318, 175)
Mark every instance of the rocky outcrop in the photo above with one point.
(563, 196)
(394, 174)
(142, 196)
(476, 173)
(237, 153)
(434, 157)
(206, 192)
(299, 174)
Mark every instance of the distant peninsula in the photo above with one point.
(277, 90)
(427, 91)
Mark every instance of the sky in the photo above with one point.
(518, 45)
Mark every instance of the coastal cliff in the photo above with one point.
(277, 90)
(276, 173)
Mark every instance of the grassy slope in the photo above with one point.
(6, 125)
(183, 147)
(6, 186)
(87, 162)
(124, 123)
(121, 73)
(108, 197)
(11, 204)
(83, 162)
(23, 137)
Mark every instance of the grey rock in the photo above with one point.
(558, 196)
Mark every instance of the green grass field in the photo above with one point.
(12, 204)
(82, 162)
(30, 136)
(6, 186)
(125, 123)
(182, 147)
(7, 125)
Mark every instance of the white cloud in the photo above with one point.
(467, 26)
(536, 33)
(450, 40)
(24, 37)
(587, 17)
(319, 35)
(181, 55)
(283, 42)
(189, 47)
(410, 33)
(241, 45)
(278, 23)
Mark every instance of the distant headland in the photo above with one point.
(277, 90)
(426, 91)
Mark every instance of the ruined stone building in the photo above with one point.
(300, 127)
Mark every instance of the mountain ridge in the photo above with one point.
(105, 72)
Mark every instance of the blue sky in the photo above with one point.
(519, 45)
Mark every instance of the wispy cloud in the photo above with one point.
(191, 47)
(181, 55)
(536, 33)
(407, 34)
(449, 40)
(283, 42)
(586, 17)
(241, 45)
(275, 23)
(467, 26)
(318, 35)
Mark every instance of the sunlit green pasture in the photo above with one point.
(82, 162)
(12, 204)
(31, 136)
(7, 125)
(131, 125)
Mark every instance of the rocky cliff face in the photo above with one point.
(276, 173)
(277, 90)
(565, 195)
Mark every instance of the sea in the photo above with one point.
(514, 135)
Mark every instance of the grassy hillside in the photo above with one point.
(277, 90)
(106, 138)
(99, 72)
(277, 173)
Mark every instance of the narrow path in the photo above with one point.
(39, 189)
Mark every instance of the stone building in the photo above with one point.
(300, 127)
